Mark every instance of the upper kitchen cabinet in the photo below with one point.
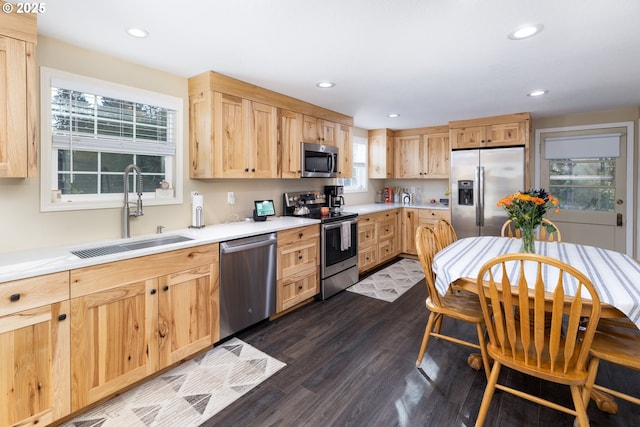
(422, 153)
(498, 131)
(18, 91)
(319, 131)
(381, 153)
(238, 130)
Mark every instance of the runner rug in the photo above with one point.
(188, 394)
(392, 281)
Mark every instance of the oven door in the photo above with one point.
(336, 256)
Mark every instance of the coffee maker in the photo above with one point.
(334, 195)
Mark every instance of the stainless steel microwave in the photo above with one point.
(319, 161)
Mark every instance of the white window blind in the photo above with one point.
(583, 147)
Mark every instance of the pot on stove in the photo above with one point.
(301, 210)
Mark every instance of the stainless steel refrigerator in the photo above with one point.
(479, 179)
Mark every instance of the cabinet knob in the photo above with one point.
(165, 288)
(300, 235)
(153, 291)
(299, 287)
(14, 297)
(246, 169)
(62, 317)
(253, 169)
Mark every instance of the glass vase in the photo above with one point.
(527, 236)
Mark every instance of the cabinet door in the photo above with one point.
(328, 132)
(114, 340)
(310, 130)
(345, 147)
(381, 154)
(185, 314)
(410, 221)
(230, 139)
(262, 141)
(469, 137)
(506, 134)
(437, 147)
(34, 373)
(290, 138)
(367, 258)
(201, 153)
(295, 288)
(13, 108)
(409, 156)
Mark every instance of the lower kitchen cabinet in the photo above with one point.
(412, 219)
(298, 264)
(379, 238)
(131, 318)
(34, 350)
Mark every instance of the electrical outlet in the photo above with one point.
(231, 198)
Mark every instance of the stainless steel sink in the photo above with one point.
(129, 246)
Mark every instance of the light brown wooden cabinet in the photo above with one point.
(319, 131)
(232, 137)
(298, 261)
(131, 318)
(412, 219)
(293, 125)
(381, 153)
(34, 350)
(18, 96)
(238, 130)
(422, 153)
(499, 131)
(379, 238)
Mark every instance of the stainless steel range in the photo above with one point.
(338, 239)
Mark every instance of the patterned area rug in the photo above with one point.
(391, 282)
(188, 394)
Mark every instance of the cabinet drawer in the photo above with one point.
(300, 234)
(366, 234)
(33, 292)
(367, 258)
(294, 258)
(386, 250)
(430, 216)
(386, 229)
(296, 288)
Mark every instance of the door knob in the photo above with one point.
(619, 202)
(619, 220)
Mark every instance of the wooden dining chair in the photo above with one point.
(618, 344)
(508, 230)
(536, 332)
(464, 307)
(444, 232)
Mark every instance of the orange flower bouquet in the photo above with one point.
(526, 210)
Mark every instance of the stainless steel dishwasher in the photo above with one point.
(247, 282)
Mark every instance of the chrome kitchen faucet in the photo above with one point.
(126, 213)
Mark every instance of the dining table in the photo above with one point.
(616, 277)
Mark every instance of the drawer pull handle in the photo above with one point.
(62, 317)
(300, 235)
(165, 288)
(153, 291)
(14, 297)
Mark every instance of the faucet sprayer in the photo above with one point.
(126, 213)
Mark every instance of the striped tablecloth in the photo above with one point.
(616, 276)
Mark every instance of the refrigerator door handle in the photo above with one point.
(481, 196)
(478, 191)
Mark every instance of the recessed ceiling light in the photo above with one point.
(539, 92)
(325, 85)
(137, 32)
(393, 115)
(525, 31)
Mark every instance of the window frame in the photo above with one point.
(49, 198)
(364, 186)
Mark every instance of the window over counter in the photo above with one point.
(358, 182)
(93, 129)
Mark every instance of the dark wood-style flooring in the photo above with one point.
(351, 362)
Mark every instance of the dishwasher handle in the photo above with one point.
(246, 244)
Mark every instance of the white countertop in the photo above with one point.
(381, 207)
(35, 262)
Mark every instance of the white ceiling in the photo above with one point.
(431, 61)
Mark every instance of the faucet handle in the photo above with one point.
(159, 229)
